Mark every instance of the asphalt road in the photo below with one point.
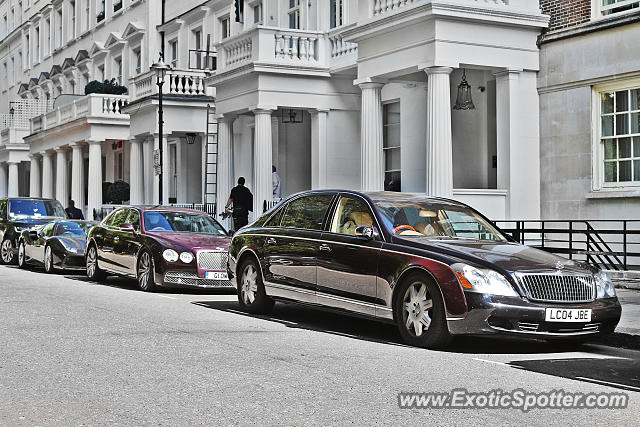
(74, 352)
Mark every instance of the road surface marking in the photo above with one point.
(494, 362)
(165, 296)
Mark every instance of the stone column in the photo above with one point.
(262, 160)
(319, 149)
(136, 169)
(62, 176)
(77, 175)
(95, 178)
(47, 175)
(224, 164)
(13, 187)
(149, 176)
(439, 144)
(3, 180)
(35, 180)
(372, 158)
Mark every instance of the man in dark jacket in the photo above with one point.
(73, 212)
(242, 200)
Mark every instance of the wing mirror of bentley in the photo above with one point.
(127, 227)
(365, 232)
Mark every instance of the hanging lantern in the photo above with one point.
(464, 101)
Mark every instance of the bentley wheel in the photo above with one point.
(420, 314)
(251, 293)
(6, 251)
(48, 260)
(22, 255)
(145, 273)
(93, 270)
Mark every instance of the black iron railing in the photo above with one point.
(608, 244)
(268, 204)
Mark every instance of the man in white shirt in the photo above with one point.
(275, 183)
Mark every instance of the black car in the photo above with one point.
(18, 214)
(57, 244)
(433, 266)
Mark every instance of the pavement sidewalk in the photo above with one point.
(630, 320)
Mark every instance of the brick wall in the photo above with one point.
(566, 13)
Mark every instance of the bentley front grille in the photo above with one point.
(192, 279)
(558, 287)
(212, 260)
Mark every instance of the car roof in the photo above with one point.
(161, 208)
(385, 195)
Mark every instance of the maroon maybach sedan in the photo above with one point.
(159, 246)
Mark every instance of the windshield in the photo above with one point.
(181, 222)
(29, 209)
(73, 229)
(435, 220)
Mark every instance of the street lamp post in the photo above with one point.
(161, 68)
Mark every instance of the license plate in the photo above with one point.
(568, 315)
(216, 275)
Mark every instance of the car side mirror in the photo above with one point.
(127, 227)
(364, 232)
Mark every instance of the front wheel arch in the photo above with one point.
(406, 273)
(247, 253)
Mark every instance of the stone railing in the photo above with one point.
(269, 45)
(92, 105)
(382, 7)
(177, 82)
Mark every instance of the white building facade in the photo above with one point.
(342, 94)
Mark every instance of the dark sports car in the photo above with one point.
(55, 245)
(159, 246)
(433, 266)
(23, 213)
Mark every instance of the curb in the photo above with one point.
(619, 339)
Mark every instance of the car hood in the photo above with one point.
(510, 257)
(77, 242)
(31, 223)
(192, 241)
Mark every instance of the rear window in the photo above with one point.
(307, 212)
(30, 209)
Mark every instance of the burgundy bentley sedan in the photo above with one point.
(159, 246)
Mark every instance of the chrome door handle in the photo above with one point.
(325, 248)
(271, 241)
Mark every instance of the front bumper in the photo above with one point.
(73, 262)
(491, 314)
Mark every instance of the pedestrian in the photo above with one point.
(73, 212)
(275, 183)
(242, 200)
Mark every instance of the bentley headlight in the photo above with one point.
(186, 257)
(483, 281)
(604, 285)
(170, 255)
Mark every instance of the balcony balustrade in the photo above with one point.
(177, 82)
(93, 105)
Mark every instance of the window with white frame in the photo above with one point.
(100, 73)
(173, 45)
(12, 65)
(225, 25)
(619, 136)
(4, 76)
(72, 12)
(36, 47)
(59, 27)
(5, 26)
(391, 145)
(12, 23)
(117, 67)
(294, 14)
(27, 47)
(47, 36)
(604, 8)
(137, 60)
(19, 68)
(101, 8)
(336, 13)
(87, 15)
(197, 45)
(257, 13)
